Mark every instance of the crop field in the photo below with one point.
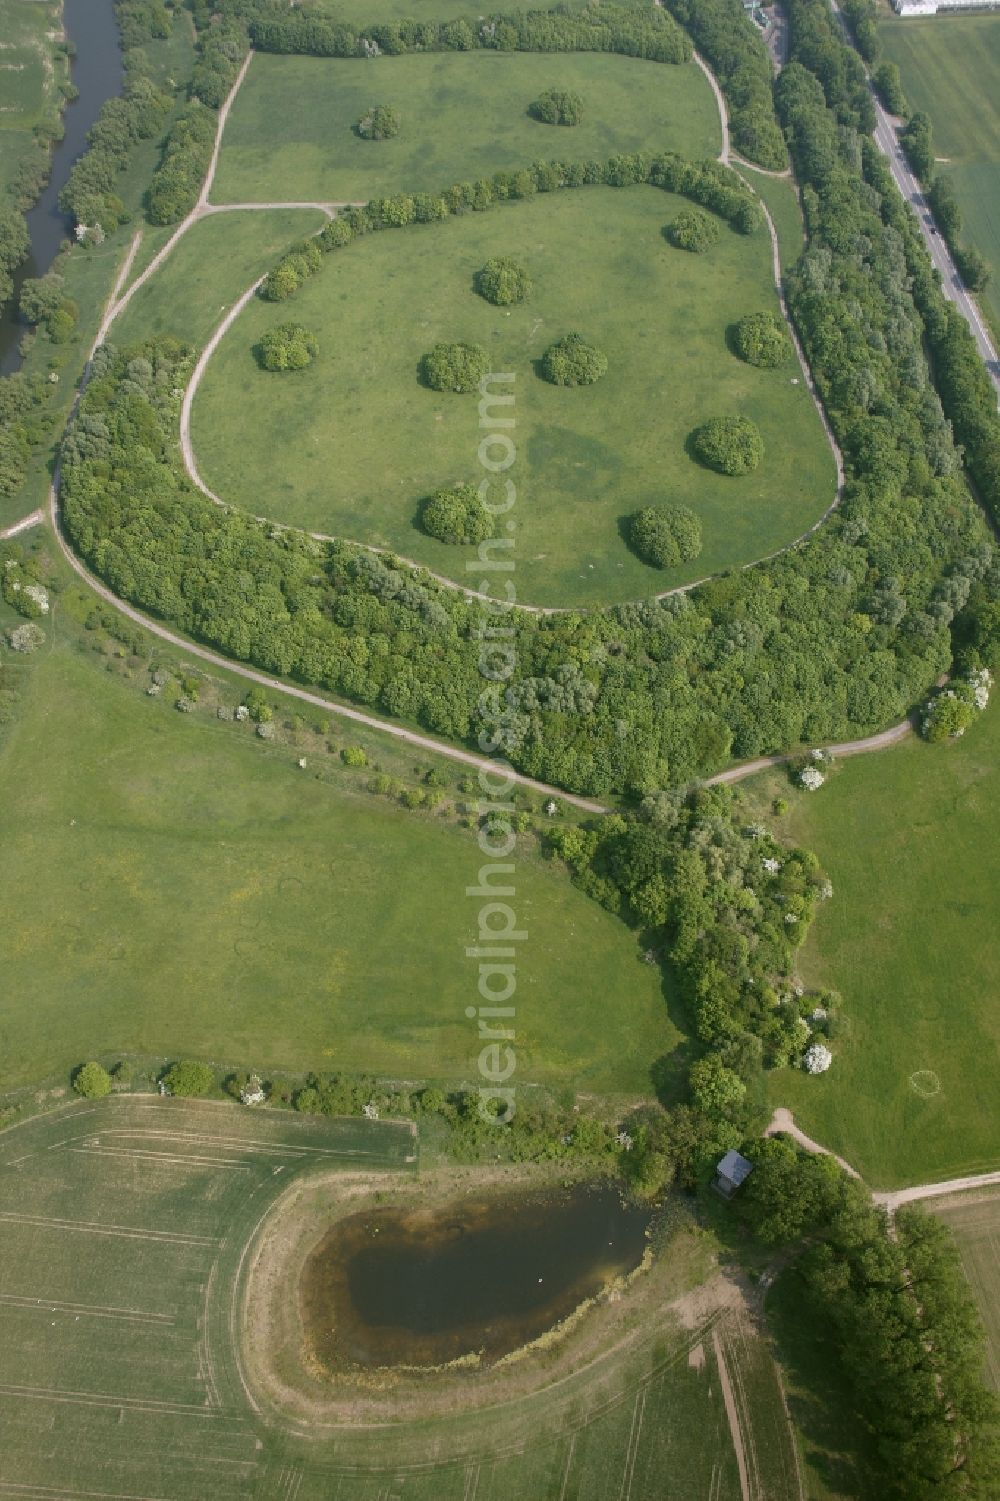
(974, 1220)
(950, 66)
(290, 134)
(586, 457)
(123, 1236)
(910, 840)
(175, 886)
(216, 260)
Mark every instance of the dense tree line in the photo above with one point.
(602, 27)
(816, 44)
(187, 152)
(137, 115)
(24, 422)
(904, 1326)
(862, 23)
(733, 46)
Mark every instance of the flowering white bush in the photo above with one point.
(242, 713)
(771, 866)
(811, 779)
(252, 1092)
(790, 918)
(948, 715)
(756, 831)
(40, 595)
(370, 1112)
(26, 638)
(817, 1059)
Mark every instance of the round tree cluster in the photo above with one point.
(379, 123)
(454, 367)
(457, 515)
(693, 230)
(731, 445)
(665, 535)
(502, 281)
(287, 347)
(573, 362)
(760, 340)
(558, 107)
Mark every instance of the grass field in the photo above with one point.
(216, 260)
(911, 841)
(950, 67)
(462, 116)
(974, 1220)
(28, 77)
(122, 1239)
(586, 457)
(173, 885)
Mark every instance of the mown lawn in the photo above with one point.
(174, 886)
(910, 838)
(207, 270)
(950, 67)
(462, 115)
(353, 444)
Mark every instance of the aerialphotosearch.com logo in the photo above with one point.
(497, 929)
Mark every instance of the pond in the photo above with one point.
(96, 71)
(487, 1274)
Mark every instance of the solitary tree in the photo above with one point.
(571, 361)
(665, 535)
(502, 281)
(289, 346)
(379, 123)
(761, 340)
(558, 107)
(454, 367)
(92, 1081)
(189, 1079)
(457, 515)
(731, 445)
(693, 230)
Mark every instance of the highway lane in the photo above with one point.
(951, 283)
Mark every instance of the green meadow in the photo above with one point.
(353, 444)
(463, 115)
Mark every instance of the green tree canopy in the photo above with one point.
(503, 282)
(731, 445)
(558, 107)
(693, 230)
(456, 515)
(454, 367)
(761, 340)
(289, 346)
(665, 535)
(571, 361)
(188, 1079)
(92, 1081)
(378, 123)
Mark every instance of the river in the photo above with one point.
(96, 71)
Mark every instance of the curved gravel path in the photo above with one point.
(783, 1123)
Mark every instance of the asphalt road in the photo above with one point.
(951, 283)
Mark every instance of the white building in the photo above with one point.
(931, 7)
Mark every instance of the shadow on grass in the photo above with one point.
(836, 1444)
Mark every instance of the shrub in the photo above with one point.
(354, 755)
(454, 367)
(502, 281)
(731, 445)
(188, 1079)
(457, 515)
(92, 1081)
(573, 362)
(889, 87)
(287, 347)
(379, 123)
(692, 230)
(761, 340)
(665, 535)
(557, 107)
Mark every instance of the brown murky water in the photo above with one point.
(483, 1274)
